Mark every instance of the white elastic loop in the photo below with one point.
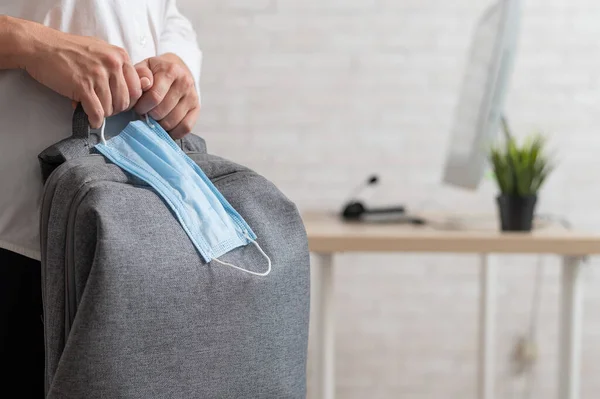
(148, 121)
(248, 271)
(102, 137)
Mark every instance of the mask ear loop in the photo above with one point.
(148, 121)
(102, 137)
(151, 125)
(248, 271)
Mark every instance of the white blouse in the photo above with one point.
(33, 117)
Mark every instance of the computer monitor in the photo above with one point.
(481, 102)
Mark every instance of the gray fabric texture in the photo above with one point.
(132, 311)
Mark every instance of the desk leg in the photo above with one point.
(324, 315)
(487, 328)
(570, 328)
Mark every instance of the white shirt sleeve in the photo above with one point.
(178, 37)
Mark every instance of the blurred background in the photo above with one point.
(318, 94)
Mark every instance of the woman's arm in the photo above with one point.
(15, 41)
(85, 69)
(178, 37)
(174, 96)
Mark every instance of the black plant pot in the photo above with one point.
(516, 213)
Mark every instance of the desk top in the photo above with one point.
(327, 233)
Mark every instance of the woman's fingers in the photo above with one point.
(133, 83)
(186, 125)
(119, 93)
(94, 109)
(103, 93)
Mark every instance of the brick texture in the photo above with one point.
(318, 94)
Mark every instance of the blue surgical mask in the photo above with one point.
(145, 150)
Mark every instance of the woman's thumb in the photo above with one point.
(145, 74)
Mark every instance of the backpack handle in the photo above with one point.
(81, 124)
(81, 144)
(81, 130)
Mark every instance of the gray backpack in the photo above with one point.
(130, 308)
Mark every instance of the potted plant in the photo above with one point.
(520, 171)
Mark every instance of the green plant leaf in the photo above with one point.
(520, 170)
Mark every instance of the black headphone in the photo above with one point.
(355, 210)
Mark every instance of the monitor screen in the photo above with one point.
(484, 84)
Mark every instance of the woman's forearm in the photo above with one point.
(16, 41)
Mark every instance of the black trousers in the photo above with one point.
(21, 326)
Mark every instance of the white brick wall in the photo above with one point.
(317, 94)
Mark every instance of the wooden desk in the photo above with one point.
(328, 235)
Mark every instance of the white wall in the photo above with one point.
(317, 94)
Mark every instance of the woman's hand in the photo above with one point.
(85, 69)
(172, 98)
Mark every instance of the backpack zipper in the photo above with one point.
(70, 283)
(49, 190)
